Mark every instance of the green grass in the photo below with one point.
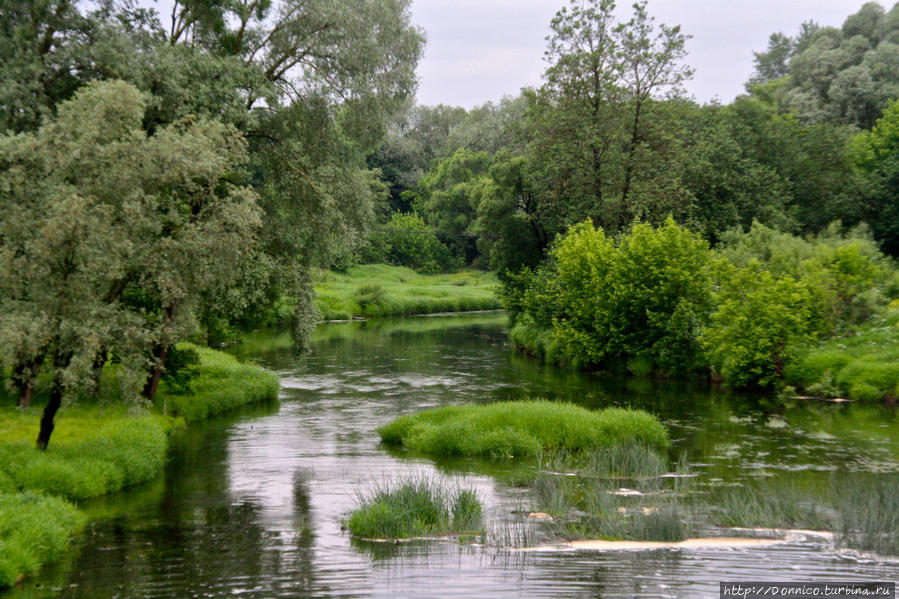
(220, 384)
(99, 447)
(415, 507)
(382, 290)
(521, 428)
(863, 366)
(34, 530)
(93, 451)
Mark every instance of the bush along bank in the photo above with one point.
(660, 301)
(98, 450)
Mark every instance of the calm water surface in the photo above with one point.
(251, 506)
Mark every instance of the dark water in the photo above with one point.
(251, 506)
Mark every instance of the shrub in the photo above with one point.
(758, 322)
(642, 299)
(406, 240)
(521, 428)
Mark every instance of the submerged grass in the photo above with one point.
(521, 428)
(382, 290)
(416, 507)
(98, 449)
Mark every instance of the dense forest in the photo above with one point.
(166, 182)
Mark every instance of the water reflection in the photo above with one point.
(252, 506)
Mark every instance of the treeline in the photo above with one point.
(785, 199)
(157, 181)
(611, 135)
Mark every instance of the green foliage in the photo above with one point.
(394, 291)
(521, 428)
(642, 299)
(34, 530)
(757, 323)
(406, 240)
(415, 507)
(839, 75)
(218, 384)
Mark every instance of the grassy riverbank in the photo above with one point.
(382, 290)
(98, 449)
(863, 366)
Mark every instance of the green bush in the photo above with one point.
(640, 301)
(415, 507)
(406, 240)
(521, 428)
(34, 530)
(758, 323)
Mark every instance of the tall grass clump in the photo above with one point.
(34, 530)
(415, 507)
(863, 365)
(218, 384)
(521, 428)
(869, 514)
(770, 504)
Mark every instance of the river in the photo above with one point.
(250, 506)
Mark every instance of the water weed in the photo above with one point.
(415, 507)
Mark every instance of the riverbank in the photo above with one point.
(382, 290)
(99, 449)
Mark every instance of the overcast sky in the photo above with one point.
(480, 50)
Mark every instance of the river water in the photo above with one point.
(251, 506)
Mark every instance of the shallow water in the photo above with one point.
(251, 506)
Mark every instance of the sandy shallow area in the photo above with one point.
(771, 538)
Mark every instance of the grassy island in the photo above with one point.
(521, 428)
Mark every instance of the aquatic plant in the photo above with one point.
(415, 507)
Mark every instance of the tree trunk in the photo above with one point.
(47, 424)
(24, 373)
(97, 368)
(160, 352)
(631, 154)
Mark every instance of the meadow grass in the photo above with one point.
(863, 366)
(521, 428)
(382, 290)
(415, 507)
(99, 447)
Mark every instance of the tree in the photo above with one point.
(594, 134)
(113, 236)
(875, 154)
(448, 197)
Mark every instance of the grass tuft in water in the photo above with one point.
(869, 515)
(773, 504)
(415, 507)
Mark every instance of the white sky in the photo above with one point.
(480, 50)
